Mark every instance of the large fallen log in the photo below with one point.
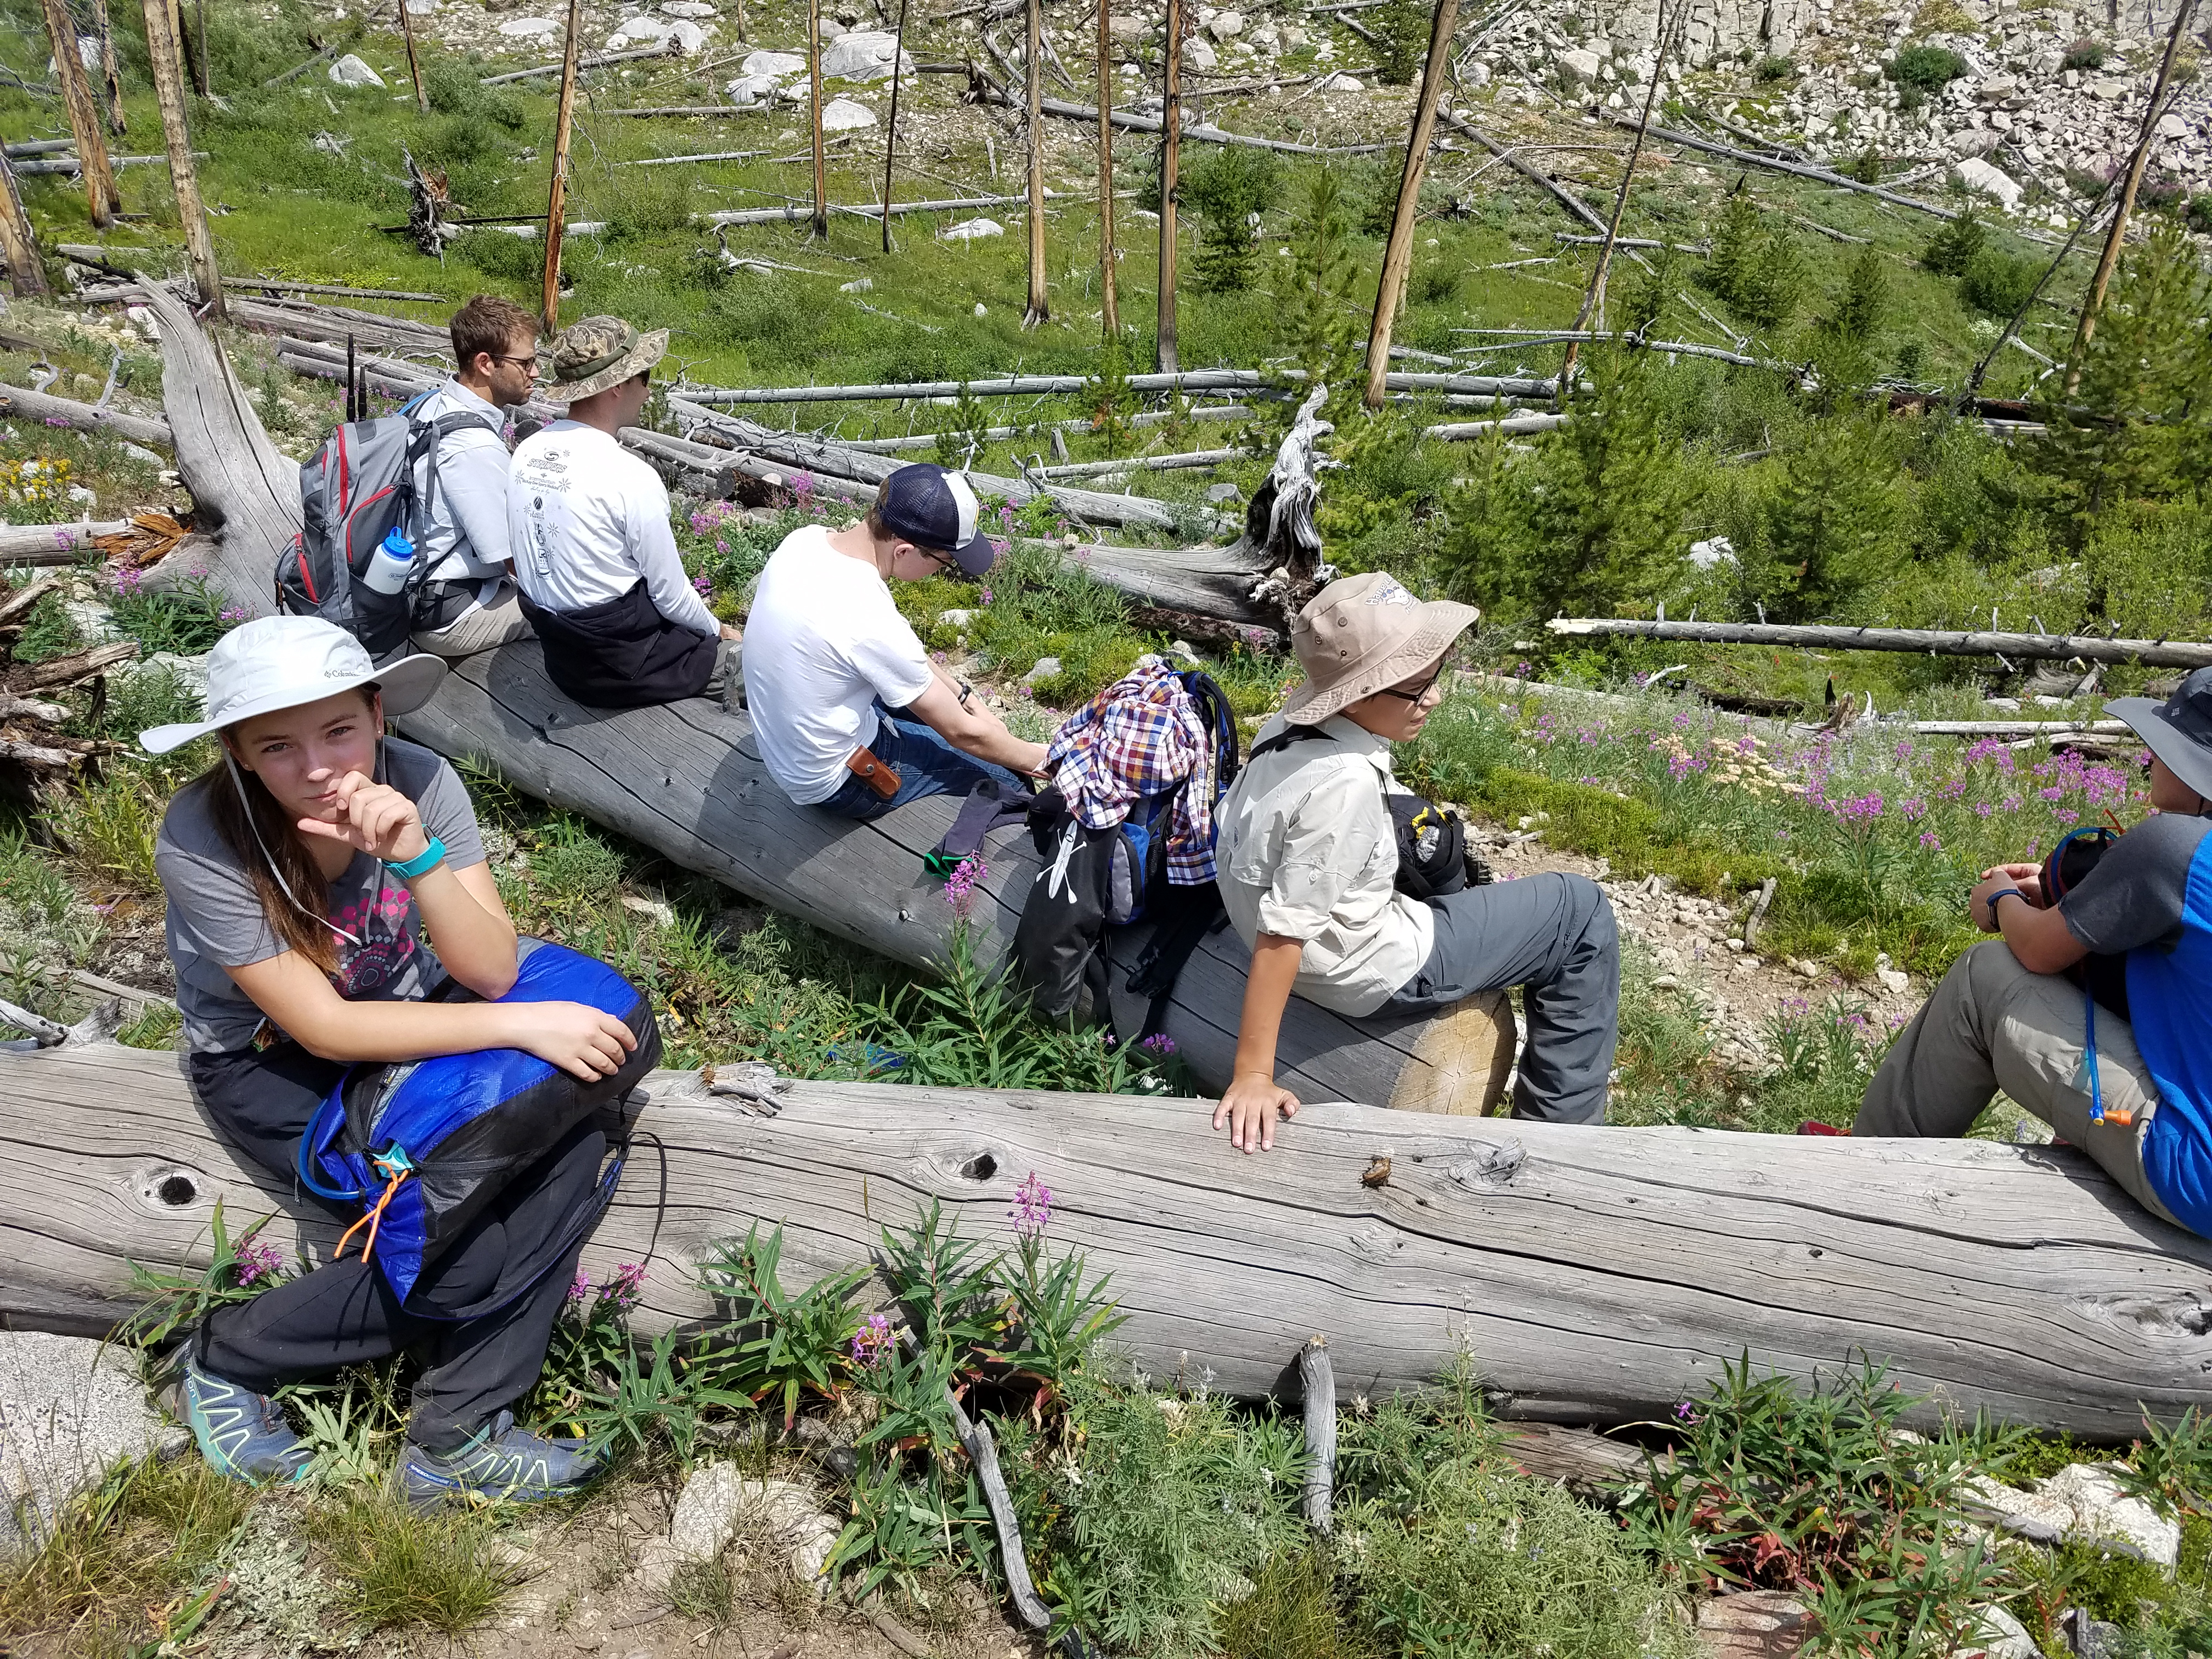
(685, 779)
(1014, 386)
(2035, 648)
(67, 412)
(1591, 1273)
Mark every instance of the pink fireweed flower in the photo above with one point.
(580, 1286)
(1032, 1207)
(256, 1259)
(872, 1342)
(625, 1288)
(960, 885)
(1160, 1043)
(1929, 840)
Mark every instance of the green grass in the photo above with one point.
(395, 1570)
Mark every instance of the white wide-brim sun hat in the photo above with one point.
(275, 663)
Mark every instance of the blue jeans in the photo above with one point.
(925, 765)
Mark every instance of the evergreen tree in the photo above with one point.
(1645, 294)
(1831, 528)
(1953, 248)
(1227, 187)
(1319, 321)
(1485, 557)
(2138, 426)
(1606, 507)
(1861, 308)
(1112, 401)
(1735, 245)
(1775, 281)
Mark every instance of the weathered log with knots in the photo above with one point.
(1592, 1275)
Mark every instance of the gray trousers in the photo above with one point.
(479, 627)
(1992, 1025)
(1554, 935)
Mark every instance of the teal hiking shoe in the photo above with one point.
(240, 1433)
(499, 1464)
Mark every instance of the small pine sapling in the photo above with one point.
(1776, 280)
(1230, 187)
(1735, 242)
(1953, 248)
(1112, 401)
(1319, 323)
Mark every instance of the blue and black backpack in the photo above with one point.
(424, 1146)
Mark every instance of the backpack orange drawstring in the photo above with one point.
(394, 1163)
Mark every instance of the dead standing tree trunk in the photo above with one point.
(1398, 252)
(557, 201)
(2093, 301)
(99, 191)
(821, 220)
(890, 128)
(244, 489)
(111, 74)
(1109, 309)
(19, 243)
(1593, 305)
(1039, 308)
(169, 92)
(1164, 355)
(414, 65)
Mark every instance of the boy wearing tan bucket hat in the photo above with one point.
(587, 523)
(1310, 874)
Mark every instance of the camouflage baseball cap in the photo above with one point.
(599, 352)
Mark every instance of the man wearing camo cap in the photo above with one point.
(587, 524)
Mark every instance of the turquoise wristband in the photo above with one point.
(422, 863)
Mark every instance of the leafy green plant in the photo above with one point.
(1998, 284)
(1771, 70)
(2084, 54)
(1772, 1484)
(238, 1270)
(186, 619)
(660, 1397)
(1924, 69)
(112, 821)
(780, 1346)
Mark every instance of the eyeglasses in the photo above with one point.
(1418, 692)
(535, 373)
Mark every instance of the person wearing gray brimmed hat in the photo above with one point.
(1311, 876)
(2093, 1008)
(587, 524)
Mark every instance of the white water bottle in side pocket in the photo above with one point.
(389, 565)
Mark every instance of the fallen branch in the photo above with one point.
(599, 60)
(1017, 386)
(1317, 1380)
(983, 1453)
(1129, 121)
(68, 671)
(69, 165)
(2036, 647)
(1455, 431)
(1141, 463)
(63, 411)
(54, 543)
(1795, 169)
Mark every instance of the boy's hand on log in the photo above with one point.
(374, 818)
(585, 1041)
(1250, 1108)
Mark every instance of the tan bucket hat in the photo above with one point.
(599, 352)
(1364, 633)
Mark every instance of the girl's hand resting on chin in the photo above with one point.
(373, 818)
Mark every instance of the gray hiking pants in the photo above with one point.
(1554, 935)
(1992, 1025)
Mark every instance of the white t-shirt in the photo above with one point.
(823, 644)
(587, 519)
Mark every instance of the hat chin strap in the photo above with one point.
(238, 782)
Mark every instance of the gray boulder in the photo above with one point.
(69, 1408)
(350, 71)
(864, 55)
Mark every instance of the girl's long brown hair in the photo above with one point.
(288, 853)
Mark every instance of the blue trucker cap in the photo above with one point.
(936, 509)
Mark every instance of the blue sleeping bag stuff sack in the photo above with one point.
(423, 1147)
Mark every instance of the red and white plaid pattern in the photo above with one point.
(1142, 736)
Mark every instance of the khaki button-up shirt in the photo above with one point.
(1306, 851)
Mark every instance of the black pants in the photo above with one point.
(345, 1314)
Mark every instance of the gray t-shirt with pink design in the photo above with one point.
(215, 919)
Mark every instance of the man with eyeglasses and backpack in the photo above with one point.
(851, 714)
(469, 601)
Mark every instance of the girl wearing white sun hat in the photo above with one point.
(329, 905)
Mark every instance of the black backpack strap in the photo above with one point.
(1283, 739)
(1214, 707)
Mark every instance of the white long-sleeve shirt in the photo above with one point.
(586, 521)
(464, 533)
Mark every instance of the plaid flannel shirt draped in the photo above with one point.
(1142, 736)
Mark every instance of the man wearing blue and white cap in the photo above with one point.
(2119, 1062)
(851, 714)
